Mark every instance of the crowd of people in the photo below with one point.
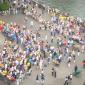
(24, 48)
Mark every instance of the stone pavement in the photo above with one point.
(1, 40)
(62, 70)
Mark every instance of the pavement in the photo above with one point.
(62, 71)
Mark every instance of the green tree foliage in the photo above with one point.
(4, 6)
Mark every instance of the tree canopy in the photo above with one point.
(4, 6)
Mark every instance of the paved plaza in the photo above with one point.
(62, 71)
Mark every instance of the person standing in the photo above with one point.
(75, 68)
(66, 81)
(55, 73)
(74, 58)
(52, 71)
(70, 78)
(37, 79)
(42, 78)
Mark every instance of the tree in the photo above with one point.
(4, 5)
